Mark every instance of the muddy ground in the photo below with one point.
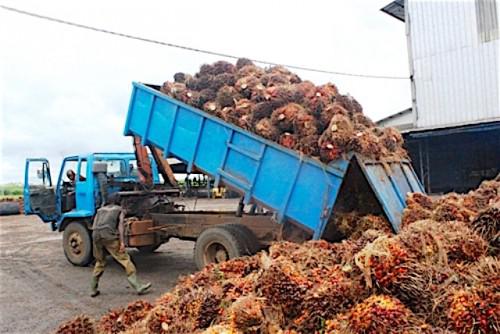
(39, 288)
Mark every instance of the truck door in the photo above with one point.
(39, 195)
(84, 187)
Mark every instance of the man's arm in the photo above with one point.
(121, 230)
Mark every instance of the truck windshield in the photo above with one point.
(134, 172)
(116, 168)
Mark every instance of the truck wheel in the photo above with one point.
(252, 245)
(77, 244)
(217, 244)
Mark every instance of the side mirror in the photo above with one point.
(99, 167)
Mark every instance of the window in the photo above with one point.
(134, 169)
(134, 172)
(83, 170)
(39, 174)
(69, 165)
(487, 20)
(116, 168)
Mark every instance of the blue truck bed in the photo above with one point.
(296, 187)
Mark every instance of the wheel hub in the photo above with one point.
(75, 242)
(216, 253)
(221, 256)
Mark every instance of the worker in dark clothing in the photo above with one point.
(71, 175)
(108, 233)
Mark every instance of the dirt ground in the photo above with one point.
(39, 288)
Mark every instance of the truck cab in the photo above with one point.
(70, 203)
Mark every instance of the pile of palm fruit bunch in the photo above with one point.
(479, 210)
(440, 274)
(81, 324)
(276, 104)
(352, 225)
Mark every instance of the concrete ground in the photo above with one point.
(39, 288)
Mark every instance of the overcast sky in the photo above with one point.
(65, 91)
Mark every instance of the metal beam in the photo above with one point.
(143, 162)
(163, 166)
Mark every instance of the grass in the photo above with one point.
(11, 190)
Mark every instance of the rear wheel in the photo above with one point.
(218, 244)
(77, 244)
(252, 245)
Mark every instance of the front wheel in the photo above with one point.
(77, 244)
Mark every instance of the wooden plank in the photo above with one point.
(138, 227)
(141, 240)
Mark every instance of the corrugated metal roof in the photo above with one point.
(395, 9)
(418, 133)
(402, 120)
(400, 113)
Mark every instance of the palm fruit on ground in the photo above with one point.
(246, 314)
(81, 324)
(112, 322)
(135, 311)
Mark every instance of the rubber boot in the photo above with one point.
(94, 284)
(140, 288)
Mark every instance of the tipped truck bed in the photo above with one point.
(298, 188)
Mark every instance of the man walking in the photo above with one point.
(108, 233)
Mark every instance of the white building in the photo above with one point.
(453, 129)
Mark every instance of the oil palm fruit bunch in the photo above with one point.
(475, 310)
(382, 262)
(161, 319)
(198, 308)
(282, 284)
(487, 225)
(484, 272)
(135, 311)
(353, 224)
(239, 267)
(442, 243)
(246, 314)
(81, 324)
(266, 129)
(300, 112)
(112, 322)
(332, 292)
(379, 314)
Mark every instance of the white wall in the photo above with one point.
(456, 74)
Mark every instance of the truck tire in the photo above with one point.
(252, 244)
(77, 244)
(218, 244)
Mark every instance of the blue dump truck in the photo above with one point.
(299, 194)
